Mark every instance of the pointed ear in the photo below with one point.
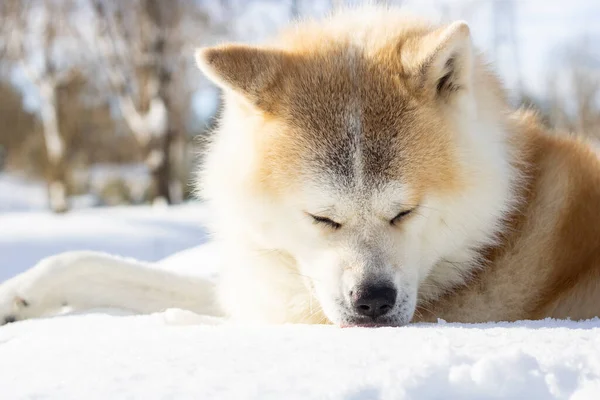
(251, 71)
(441, 61)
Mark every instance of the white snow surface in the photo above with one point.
(152, 357)
(106, 354)
(143, 232)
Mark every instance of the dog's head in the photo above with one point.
(370, 149)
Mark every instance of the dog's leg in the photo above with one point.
(86, 280)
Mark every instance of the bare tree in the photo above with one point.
(33, 33)
(142, 44)
(586, 91)
(21, 122)
(573, 91)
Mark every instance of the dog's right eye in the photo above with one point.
(324, 220)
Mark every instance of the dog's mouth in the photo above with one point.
(397, 318)
(368, 325)
(380, 323)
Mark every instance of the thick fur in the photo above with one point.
(85, 280)
(395, 134)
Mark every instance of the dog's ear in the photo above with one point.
(251, 71)
(440, 62)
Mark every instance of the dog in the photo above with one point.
(367, 170)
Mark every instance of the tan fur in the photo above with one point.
(548, 263)
(298, 97)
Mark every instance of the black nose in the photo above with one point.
(373, 300)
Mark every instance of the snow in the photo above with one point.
(149, 357)
(18, 194)
(180, 355)
(144, 232)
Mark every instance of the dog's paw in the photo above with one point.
(13, 307)
(28, 295)
(19, 303)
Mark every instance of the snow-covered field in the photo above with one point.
(149, 357)
(173, 355)
(146, 233)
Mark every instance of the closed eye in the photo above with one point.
(326, 221)
(400, 216)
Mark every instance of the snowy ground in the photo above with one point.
(145, 357)
(146, 233)
(171, 356)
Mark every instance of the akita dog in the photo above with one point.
(367, 170)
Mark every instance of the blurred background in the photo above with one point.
(101, 105)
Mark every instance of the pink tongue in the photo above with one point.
(360, 326)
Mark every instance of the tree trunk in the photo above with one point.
(57, 187)
(178, 167)
(161, 145)
(55, 148)
(158, 161)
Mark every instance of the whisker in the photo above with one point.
(304, 276)
(308, 316)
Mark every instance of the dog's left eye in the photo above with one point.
(400, 215)
(324, 220)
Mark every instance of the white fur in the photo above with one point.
(87, 280)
